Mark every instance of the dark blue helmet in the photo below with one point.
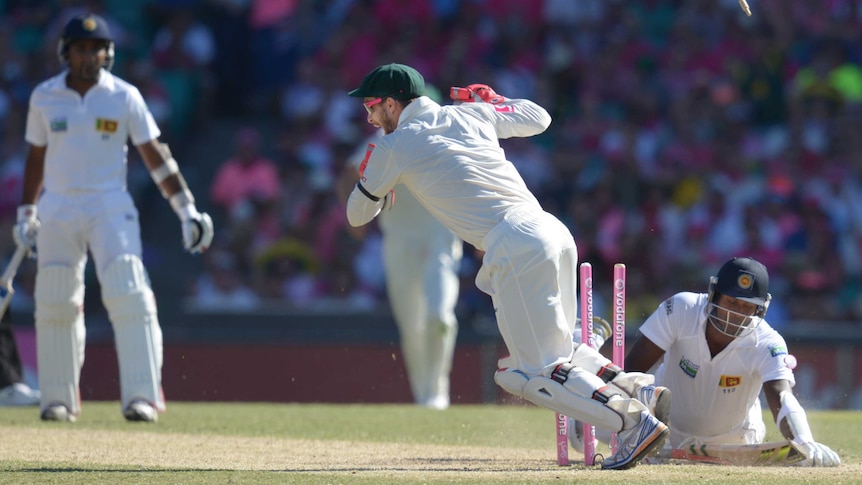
(86, 26)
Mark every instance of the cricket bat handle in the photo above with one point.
(6, 290)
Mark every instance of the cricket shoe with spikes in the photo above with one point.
(140, 410)
(637, 442)
(18, 394)
(657, 400)
(57, 412)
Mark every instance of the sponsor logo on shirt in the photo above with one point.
(106, 126)
(668, 306)
(504, 109)
(729, 381)
(689, 367)
(777, 350)
(58, 125)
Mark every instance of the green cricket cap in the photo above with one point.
(391, 81)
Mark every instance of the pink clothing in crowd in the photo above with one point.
(237, 181)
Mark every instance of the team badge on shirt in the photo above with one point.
(729, 381)
(106, 126)
(58, 125)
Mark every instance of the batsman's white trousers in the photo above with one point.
(107, 224)
(529, 270)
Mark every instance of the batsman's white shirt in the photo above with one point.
(86, 136)
(85, 203)
(450, 158)
(714, 398)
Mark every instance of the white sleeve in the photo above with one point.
(657, 327)
(378, 174)
(773, 360)
(361, 209)
(142, 126)
(36, 133)
(518, 118)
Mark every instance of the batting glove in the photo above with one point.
(817, 454)
(198, 231)
(26, 228)
(475, 93)
(197, 228)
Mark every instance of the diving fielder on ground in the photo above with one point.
(717, 352)
(78, 125)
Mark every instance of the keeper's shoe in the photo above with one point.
(637, 442)
(140, 410)
(18, 394)
(57, 412)
(657, 400)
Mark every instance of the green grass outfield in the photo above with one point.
(267, 443)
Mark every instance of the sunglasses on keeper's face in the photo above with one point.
(369, 104)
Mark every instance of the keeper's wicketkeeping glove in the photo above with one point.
(475, 93)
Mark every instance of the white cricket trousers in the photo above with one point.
(529, 270)
(106, 223)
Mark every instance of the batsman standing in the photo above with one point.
(717, 352)
(75, 200)
(450, 159)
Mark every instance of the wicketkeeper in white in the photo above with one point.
(450, 159)
(717, 352)
(75, 199)
(421, 258)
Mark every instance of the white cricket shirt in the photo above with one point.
(711, 396)
(86, 136)
(449, 157)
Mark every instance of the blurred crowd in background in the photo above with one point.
(684, 133)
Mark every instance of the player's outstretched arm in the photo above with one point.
(643, 355)
(197, 226)
(511, 117)
(792, 421)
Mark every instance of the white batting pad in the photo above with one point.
(60, 335)
(131, 307)
(626, 383)
(550, 394)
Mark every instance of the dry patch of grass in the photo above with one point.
(355, 461)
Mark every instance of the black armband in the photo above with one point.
(367, 193)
